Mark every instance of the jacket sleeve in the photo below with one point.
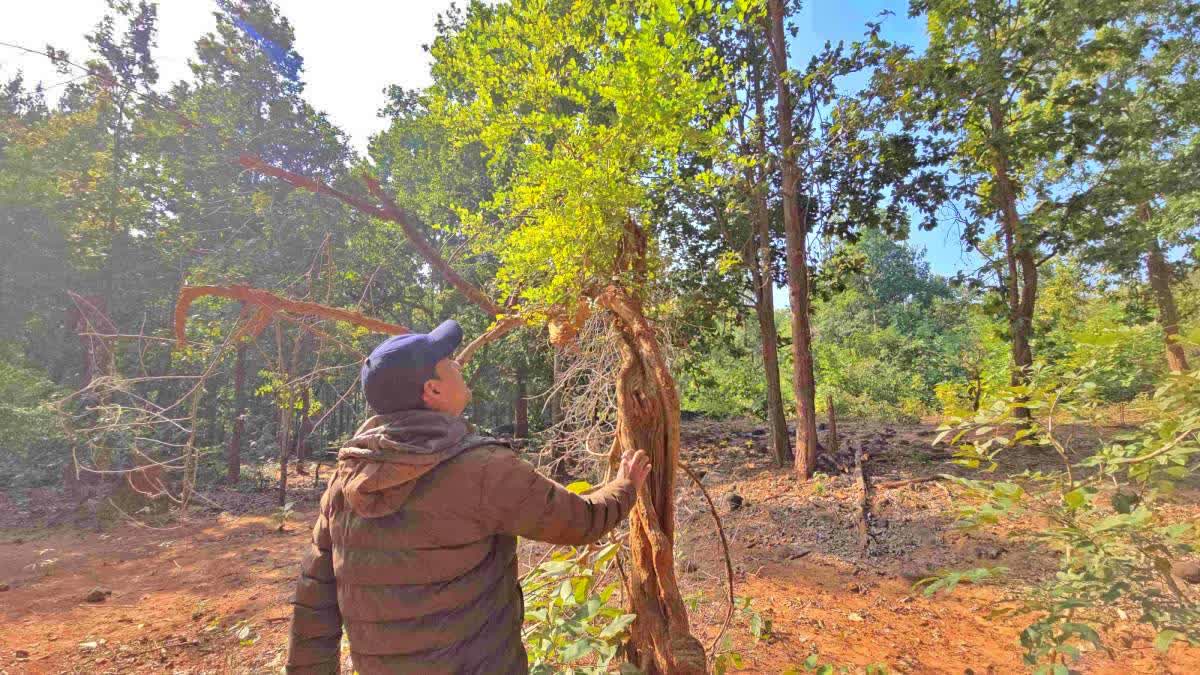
(516, 499)
(316, 635)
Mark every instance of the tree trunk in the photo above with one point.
(520, 408)
(833, 434)
(1019, 254)
(555, 395)
(239, 423)
(762, 275)
(285, 424)
(303, 432)
(803, 381)
(648, 419)
(1159, 274)
(285, 417)
(116, 232)
(764, 307)
(213, 422)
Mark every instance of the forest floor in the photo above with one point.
(208, 593)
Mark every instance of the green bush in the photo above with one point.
(571, 625)
(1113, 525)
(726, 382)
(33, 447)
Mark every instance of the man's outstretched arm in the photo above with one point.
(516, 499)
(316, 635)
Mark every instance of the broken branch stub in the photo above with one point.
(564, 327)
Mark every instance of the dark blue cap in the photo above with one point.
(395, 373)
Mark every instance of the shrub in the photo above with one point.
(33, 448)
(1111, 524)
(571, 625)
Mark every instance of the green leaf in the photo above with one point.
(1075, 498)
(1177, 531)
(607, 553)
(1164, 639)
(1083, 631)
(556, 567)
(581, 587)
(616, 626)
(668, 11)
(577, 650)
(1111, 522)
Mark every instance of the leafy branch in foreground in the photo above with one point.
(1107, 512)
(571, 625)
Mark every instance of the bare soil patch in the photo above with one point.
(208, 593)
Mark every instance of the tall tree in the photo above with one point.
(795, 227)
(759, 251)
(1005, 87)
(581, 110)
(841, 172)
(230, 226)
(1147, 154)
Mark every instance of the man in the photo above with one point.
(414, 549)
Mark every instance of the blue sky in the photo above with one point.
(355, 48)
(822, 20)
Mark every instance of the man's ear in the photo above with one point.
(432, 388)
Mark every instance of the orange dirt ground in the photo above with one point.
(209, 594)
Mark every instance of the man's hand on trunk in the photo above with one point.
(635, 466)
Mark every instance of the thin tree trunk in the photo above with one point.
(520, 408)
(303, 431)
(864, 500)
(285, 418)
(285, 423)
(803, 381)
(213, 423)
(1159, 274)
(833, 433)
(762, 274)
(234, 460)
(976, 391)
(1022, 268)
(555, 396)
(116, 232)
(764, 307)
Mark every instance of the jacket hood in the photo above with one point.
(380, 465)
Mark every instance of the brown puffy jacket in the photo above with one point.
(414, 550)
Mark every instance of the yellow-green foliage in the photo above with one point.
(581, 110)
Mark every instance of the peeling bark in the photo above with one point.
(648, 420)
